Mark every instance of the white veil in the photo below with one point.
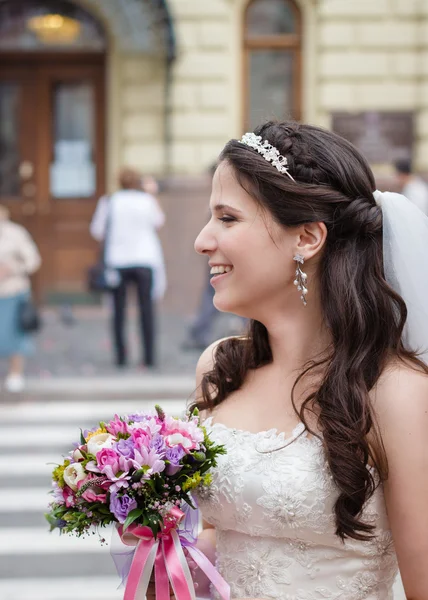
(405, 253)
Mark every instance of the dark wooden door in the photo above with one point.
(52, 162)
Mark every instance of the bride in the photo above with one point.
(323, 406)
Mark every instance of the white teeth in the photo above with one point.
(219, 270)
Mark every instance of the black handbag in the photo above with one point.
(28, 316)
(102, 278)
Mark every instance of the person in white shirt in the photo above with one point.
(129, 219)
(412, 186)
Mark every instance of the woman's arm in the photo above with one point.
(99, 220)
(28, 254)
(206, 543)
(401, 403)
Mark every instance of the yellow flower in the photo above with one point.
(192, 482)
(97, 432)
(208, 479)
(58, 473)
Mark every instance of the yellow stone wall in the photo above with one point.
(357, 55)
(373, 55)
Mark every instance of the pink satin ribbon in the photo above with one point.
(166, 555)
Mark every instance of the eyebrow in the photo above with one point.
(219, 207)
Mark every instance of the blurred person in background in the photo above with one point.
(412, 186)
(131, 218)
(19, 258)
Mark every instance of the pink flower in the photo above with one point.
(90, 496)
(117, 473)
(151, 424)
(96, 492)
(141, 437)
(117, 426)
(69, 497)
(178, 439)
(107, 456)
(149, 461)
(187, 434)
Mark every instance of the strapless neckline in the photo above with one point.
(299, 431)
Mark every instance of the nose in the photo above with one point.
(205, 243)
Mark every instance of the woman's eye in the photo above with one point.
(227, 219)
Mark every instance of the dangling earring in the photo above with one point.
(301, 278)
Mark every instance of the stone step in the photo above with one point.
(111, 387)
(67, 588)
(80, 413)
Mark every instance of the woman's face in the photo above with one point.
(250, 255)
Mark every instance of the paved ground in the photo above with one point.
(77, 343)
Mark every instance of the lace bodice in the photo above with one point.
(273, 513)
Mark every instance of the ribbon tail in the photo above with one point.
(161, 576)
(141, 570)
(210, 571)
(177, 567)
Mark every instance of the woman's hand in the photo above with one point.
(150, 185)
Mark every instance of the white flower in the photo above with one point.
(77, 455)
(73, 474)
(100, 441)
(176, 439)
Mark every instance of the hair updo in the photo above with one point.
(334, 185)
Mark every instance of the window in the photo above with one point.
(272, 53)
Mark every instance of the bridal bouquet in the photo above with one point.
(138, 471)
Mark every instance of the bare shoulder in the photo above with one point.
(400, 400)
(205, 364)
(206, 360)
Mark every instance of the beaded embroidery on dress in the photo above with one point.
(273, 512)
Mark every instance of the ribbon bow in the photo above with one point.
(165, 554)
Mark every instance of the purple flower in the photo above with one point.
(158, 443)
(174, 456)
(139, 417)
(125, 448)
(121, 506)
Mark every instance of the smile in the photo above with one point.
(220, 269)
(218, 273)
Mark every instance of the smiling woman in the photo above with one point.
(239, 236)
(314, 490)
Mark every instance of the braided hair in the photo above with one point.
(334, 185)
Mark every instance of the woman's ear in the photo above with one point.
(311, 239)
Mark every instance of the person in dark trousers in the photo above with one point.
(128, 221)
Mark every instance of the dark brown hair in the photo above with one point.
(334, 185)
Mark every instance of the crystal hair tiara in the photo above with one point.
(269, 152)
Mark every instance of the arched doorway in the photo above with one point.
(57, 127)
(52, 104)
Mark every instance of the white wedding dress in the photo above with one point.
(273, 513)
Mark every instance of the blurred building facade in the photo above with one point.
(87, 86)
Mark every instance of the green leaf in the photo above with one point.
(133, 516)
(154, 526)
(82, 438)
